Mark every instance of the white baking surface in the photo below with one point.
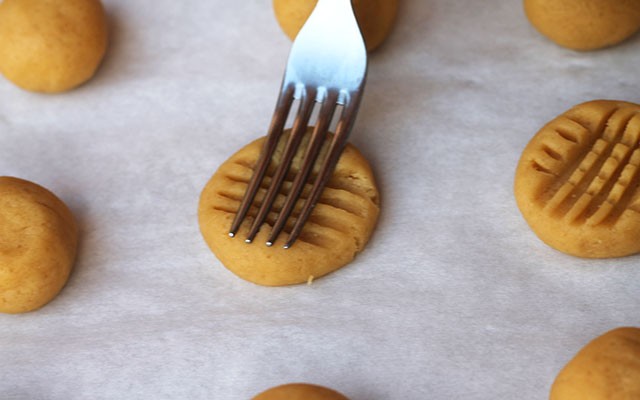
(453, 298)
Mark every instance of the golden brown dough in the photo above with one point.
(376, 17)
(608, 368)
(584, 24)
(577, 182)
(38, 240)
(300, 391)
(338, 228)
(51, 45)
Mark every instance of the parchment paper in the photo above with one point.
(454, 297)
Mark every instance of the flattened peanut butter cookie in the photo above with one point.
(577, 182)
(338, 228)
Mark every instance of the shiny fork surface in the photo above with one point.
(327, 67)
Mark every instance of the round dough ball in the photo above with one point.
(38, 241)
(584, 24)
(608, 368)
(51, 46)
(300, 391)
(376, 17)
(338, 228)
(578, 180)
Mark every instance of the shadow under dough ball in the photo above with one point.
(584, 24)
(51, 46)
(375, 17)
(38, 242)
(300, 391)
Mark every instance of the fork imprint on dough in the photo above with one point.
(340, 206)
(577, 182)
(594, 171)
(337, 230)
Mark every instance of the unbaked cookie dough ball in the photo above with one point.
(300, 391)
(338, 228)
(376, 17)
(584, 24)
(38, 241)
(608, 368)
(51, 46)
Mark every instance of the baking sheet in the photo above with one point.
(453, 298)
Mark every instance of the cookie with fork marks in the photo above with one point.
(577, 182)
(339, 226)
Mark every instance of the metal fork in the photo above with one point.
(327, 67)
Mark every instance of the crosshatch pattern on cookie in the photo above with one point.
(336, 210)
(342, 206)
(339, 227)
(591, 165)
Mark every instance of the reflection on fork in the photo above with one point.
(327, 68)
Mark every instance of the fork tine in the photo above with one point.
(315, 144)
(283, 105)
(335, 150)
(298, 130)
